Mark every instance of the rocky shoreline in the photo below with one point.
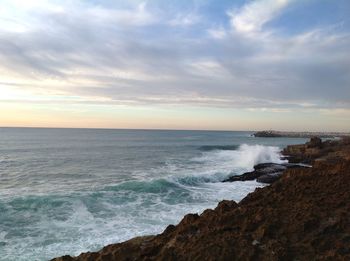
(299, 156)
(265, 172)
(295, 134)
(303, 215)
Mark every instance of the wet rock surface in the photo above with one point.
(264, 172)
(302, 216)
(311, 152)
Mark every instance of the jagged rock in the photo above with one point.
(269, 178)
(316, 149)
(225, 206)
(264, 172)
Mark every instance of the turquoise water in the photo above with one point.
(65, 191)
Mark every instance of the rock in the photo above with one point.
(330, 150)
(270, 167)
(226, 205)
(269, 178)
(264, 172)
(189, 218)
(169, 229)
(267, 134)
(246, 176)
(318, 149)
(315, 142)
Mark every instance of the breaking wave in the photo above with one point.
(76, 221)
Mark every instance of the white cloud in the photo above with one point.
(209, 68)
(217, 33)
(84, 50)
(24, 16)
(138, 16)
(251, 17)
(184, 20)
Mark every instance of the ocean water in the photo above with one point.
(66, 191)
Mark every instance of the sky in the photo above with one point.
(185, 64)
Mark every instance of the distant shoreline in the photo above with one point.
(303, 134)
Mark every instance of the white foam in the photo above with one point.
(89, 220)
(240, 160)
(250, 155)
(3, 235)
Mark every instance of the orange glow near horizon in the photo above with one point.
(163, 117)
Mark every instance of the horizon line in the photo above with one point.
(165, 129)
(106, 128)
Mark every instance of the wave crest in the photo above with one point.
(250, 155)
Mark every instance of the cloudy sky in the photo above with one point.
(200, 64)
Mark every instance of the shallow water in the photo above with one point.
(65, 191)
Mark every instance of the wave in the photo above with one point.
(242, 159)
(214, 166)
(155, 186)
(218, 147)
(131, 208)
(250, 155)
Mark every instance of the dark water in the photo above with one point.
(64, 191)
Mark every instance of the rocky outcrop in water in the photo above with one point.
(264, 172)
(302, 216)
(298, 155)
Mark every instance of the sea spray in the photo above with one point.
(217, 164)
(250, 155)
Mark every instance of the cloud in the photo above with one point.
(217, 33)
(79, 52)
(138, 16)
(184, 20)
(253, 16)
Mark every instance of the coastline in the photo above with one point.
(303, 215)
(299, 134)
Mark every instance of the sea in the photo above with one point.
(67, 191)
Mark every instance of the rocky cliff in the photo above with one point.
(315, 151)
(305, 215)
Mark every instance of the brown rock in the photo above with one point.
(316, 149)
(315, 142)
